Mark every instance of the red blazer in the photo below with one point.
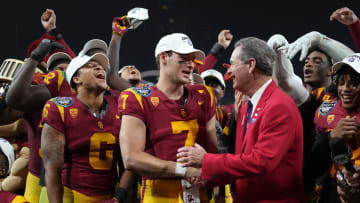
(267, 164)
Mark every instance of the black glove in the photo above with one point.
(45, 47)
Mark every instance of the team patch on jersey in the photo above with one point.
(100, 124)
(73, 112)
(143, 91)
(327, 107)
(183, 112)
(63, 101)
(154, 101)
(201, 91)
(330, 118)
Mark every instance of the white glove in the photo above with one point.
(276, 41)
(283, 72)
(303, 43)
(288, 81)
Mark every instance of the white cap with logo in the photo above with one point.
(353, 61)
(93, 44)
(79, 61)
(215, 74)
(179, 43)
(8, 151)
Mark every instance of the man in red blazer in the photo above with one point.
(267, 164)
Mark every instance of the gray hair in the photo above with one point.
(252, 47)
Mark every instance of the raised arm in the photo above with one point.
(48, 21)
(283, 73)
(335, 49)
(24, 96)
(224, 40)
(52, 149)
(120, 26)
(347, 17)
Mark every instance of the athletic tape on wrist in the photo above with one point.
(179, 170)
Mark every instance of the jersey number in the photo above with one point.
(191, 126)
(97, 160)
(48, 77)
(124, 96)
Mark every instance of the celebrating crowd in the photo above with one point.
(78, 128)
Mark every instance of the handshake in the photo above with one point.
(133, 19)
(191, 158)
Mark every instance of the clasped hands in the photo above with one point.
(191, 157)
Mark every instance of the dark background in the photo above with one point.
(80, 21)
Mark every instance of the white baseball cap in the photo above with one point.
(197, 79)
(353, 61)
(93, 44)
(79, 61)
(56, 56)
(8, 150)
(179, 43)
(136, 17)
(215, 74)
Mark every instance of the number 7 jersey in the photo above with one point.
(92, 144)
(169, 124)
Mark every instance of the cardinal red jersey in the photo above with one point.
(33, 130)
(326, 118)
(92, 144)
(170, 124)
(321, 94)
(329, 114)
(56, 82)
(8, 197)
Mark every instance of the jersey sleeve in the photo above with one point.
(130, 103)
(53, 115)
(320, 118)
(53, 81)
(210, 103)
(355, 33)
(321, 95)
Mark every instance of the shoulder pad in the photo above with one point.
(326, 107)
(63, 101)
(143, 90)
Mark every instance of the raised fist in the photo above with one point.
(120, 25)
(45, 47)
(48, 20)
(224, 38)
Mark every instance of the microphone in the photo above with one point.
(341, 153)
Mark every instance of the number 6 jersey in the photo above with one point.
(92, 144)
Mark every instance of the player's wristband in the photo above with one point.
(55, 33)
(120, 194)
(179, 170)
(217, 50)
